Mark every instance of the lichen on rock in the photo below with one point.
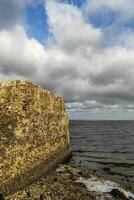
(34, 134)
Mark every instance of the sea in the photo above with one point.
(105, 147)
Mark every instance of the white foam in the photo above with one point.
(103, 186)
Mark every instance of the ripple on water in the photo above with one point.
(106, 147)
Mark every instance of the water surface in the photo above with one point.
(107, 147)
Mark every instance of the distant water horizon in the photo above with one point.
(106, 147)
(88, 120)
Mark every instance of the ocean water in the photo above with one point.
(106, 147)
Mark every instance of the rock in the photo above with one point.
(58, 185)
(106, 187)
(1, 197)
(107, 169)
(118, 194)
(34, 134)
(121, 194)
(61, 184)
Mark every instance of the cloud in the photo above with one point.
(75, 63)
(72, 32)
(11, 12)
(18, 54)
(123, 9)
(114, 17)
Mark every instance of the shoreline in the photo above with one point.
(106, 148)
(69, 181)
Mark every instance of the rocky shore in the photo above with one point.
(66, 183)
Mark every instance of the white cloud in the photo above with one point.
(69, 28)
(75, 63)
(19, 54)
(122, 7)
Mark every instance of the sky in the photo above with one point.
(82, 50)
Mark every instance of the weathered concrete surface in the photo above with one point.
(34, 133)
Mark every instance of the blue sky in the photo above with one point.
(37, 20)
(82, 50)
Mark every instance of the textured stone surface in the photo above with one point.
(33, 133)
(61, 184)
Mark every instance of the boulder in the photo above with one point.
(34, 135)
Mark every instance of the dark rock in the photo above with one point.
(1, 197)
(107, 169)
(28, 194)
(42, 197)
(117, 193)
